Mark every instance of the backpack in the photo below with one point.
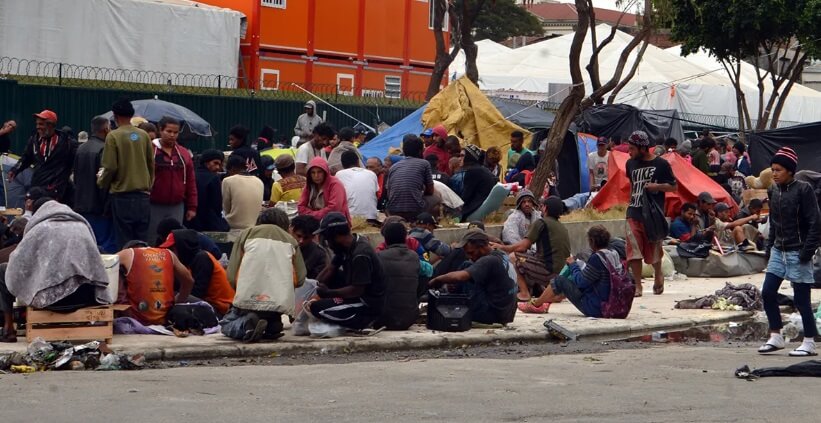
(622, 291)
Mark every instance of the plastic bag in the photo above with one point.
(39, 349)
(301, 316)
(667, 267)
(321, 329)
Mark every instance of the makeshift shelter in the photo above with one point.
(463, 110)
(526, 116)
(801, 138)
(690, 182)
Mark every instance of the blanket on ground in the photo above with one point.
(745, 296)
(57, 255)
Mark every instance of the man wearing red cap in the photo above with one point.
(51, 153)
(440, 135)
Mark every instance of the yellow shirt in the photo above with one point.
(288, 189)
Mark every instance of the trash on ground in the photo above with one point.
(41, 356)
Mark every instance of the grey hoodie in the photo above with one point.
(305, 124)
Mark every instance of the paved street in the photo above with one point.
(670, 383)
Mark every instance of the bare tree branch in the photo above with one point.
(612, 98)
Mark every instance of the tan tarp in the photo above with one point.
(469, 115)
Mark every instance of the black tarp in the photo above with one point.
(810, 368)
(620, 120)
(804, 139)
(522, 115)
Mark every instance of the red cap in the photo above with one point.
(441, 131)
(47, 115)
(169, 242)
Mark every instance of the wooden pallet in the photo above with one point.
(85, 324)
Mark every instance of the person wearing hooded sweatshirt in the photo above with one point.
(518, 223)
(306, 122)
(323, 193)
(210, 280)
(174, 192)
(209, 193)
(478, 181)
(238, 141)
(241, 195)
(793, 241)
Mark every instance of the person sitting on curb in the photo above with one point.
(210, 280)
(402, 270)
(147, 282)
(493, 292)
(731, 232)
(266, 265)
(685, 227)
(351, 289)
(422, 231)
(535, 271)
(589, 285)
(517, 225)
(751, 229)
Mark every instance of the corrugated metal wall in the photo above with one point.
(75, 107)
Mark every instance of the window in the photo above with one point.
(344, 83)
(393, 87)
(373, 93)
(269, 79)
(445, 24)
(279, 4)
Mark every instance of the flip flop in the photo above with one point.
(769, 348)
(798, 352)
(531, 308)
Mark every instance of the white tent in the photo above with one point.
(664, 80)
(487, 49)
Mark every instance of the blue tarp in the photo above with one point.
(378, 147)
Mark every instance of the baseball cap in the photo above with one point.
(472, 235)
(601, 141)
(427, 132)
(284, 161)
(330, 221)
(169, 241)
(426, 219)
(47, 115)
(706, 197)
(720, 207)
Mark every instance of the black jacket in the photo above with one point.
(478, 183)
(88, 197)
(794, 219)
(251, 157)
(209, 203)
(52, 169)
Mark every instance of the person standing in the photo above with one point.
(51, 153)
(241, 195)
(127, 172)
(307, 122)
(794, 238)
(209, 194)
(650, 177)
(174, 192)
(90, 201)
(409, 183)
(360, 185)
(597, 162)
(322, 136)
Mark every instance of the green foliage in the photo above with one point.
(502, 19)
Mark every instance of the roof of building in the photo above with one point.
(567, 12)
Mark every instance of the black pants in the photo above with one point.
(131, 212)
(351, 313)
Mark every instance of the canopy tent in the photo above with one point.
(663, 81)
(485, 47)
(463, 110)
(690, 182)
(621, 120)
(802, 138)
(530, 117)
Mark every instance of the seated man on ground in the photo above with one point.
(290, 187)
(210, 280)
(731, 232)
(315, 256)
(705, 215)
(751, 230)
(412, 243)
(266, 265)
(518, 223)
(493, 298)
(588, 286)
(323, 193)
(535, 271)
(169, 224)
(685, 227)
(57, 264)
(478, 181)
(351, 289)
(361, 186)
(147, 280)
(401, 268)
(241, 194)
(422, 231)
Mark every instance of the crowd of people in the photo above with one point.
(136, 192)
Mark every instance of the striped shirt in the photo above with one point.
(406, 184)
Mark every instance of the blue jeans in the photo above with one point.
(103, 228)
(238, 321)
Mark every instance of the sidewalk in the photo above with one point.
(650, 313)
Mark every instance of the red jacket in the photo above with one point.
(332, 191)
(443, 164)
(174, 180)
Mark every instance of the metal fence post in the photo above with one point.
(219, 84)
(60, 74)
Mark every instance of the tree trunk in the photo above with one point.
(570, 105)
(470, 10)
(443, 57)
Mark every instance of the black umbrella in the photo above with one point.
(155, 109)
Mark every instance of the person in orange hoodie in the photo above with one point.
(210, 279)
(323, 192)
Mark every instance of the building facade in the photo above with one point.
(380, 48)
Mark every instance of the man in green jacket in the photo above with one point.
(128, 174)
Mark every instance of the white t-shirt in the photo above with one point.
(361, 186)
(599, 166)
(306, 152)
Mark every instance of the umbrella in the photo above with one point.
(154, 109)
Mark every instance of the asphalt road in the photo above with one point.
(671, 383)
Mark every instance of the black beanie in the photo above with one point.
(787, 158)
(209, 155)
